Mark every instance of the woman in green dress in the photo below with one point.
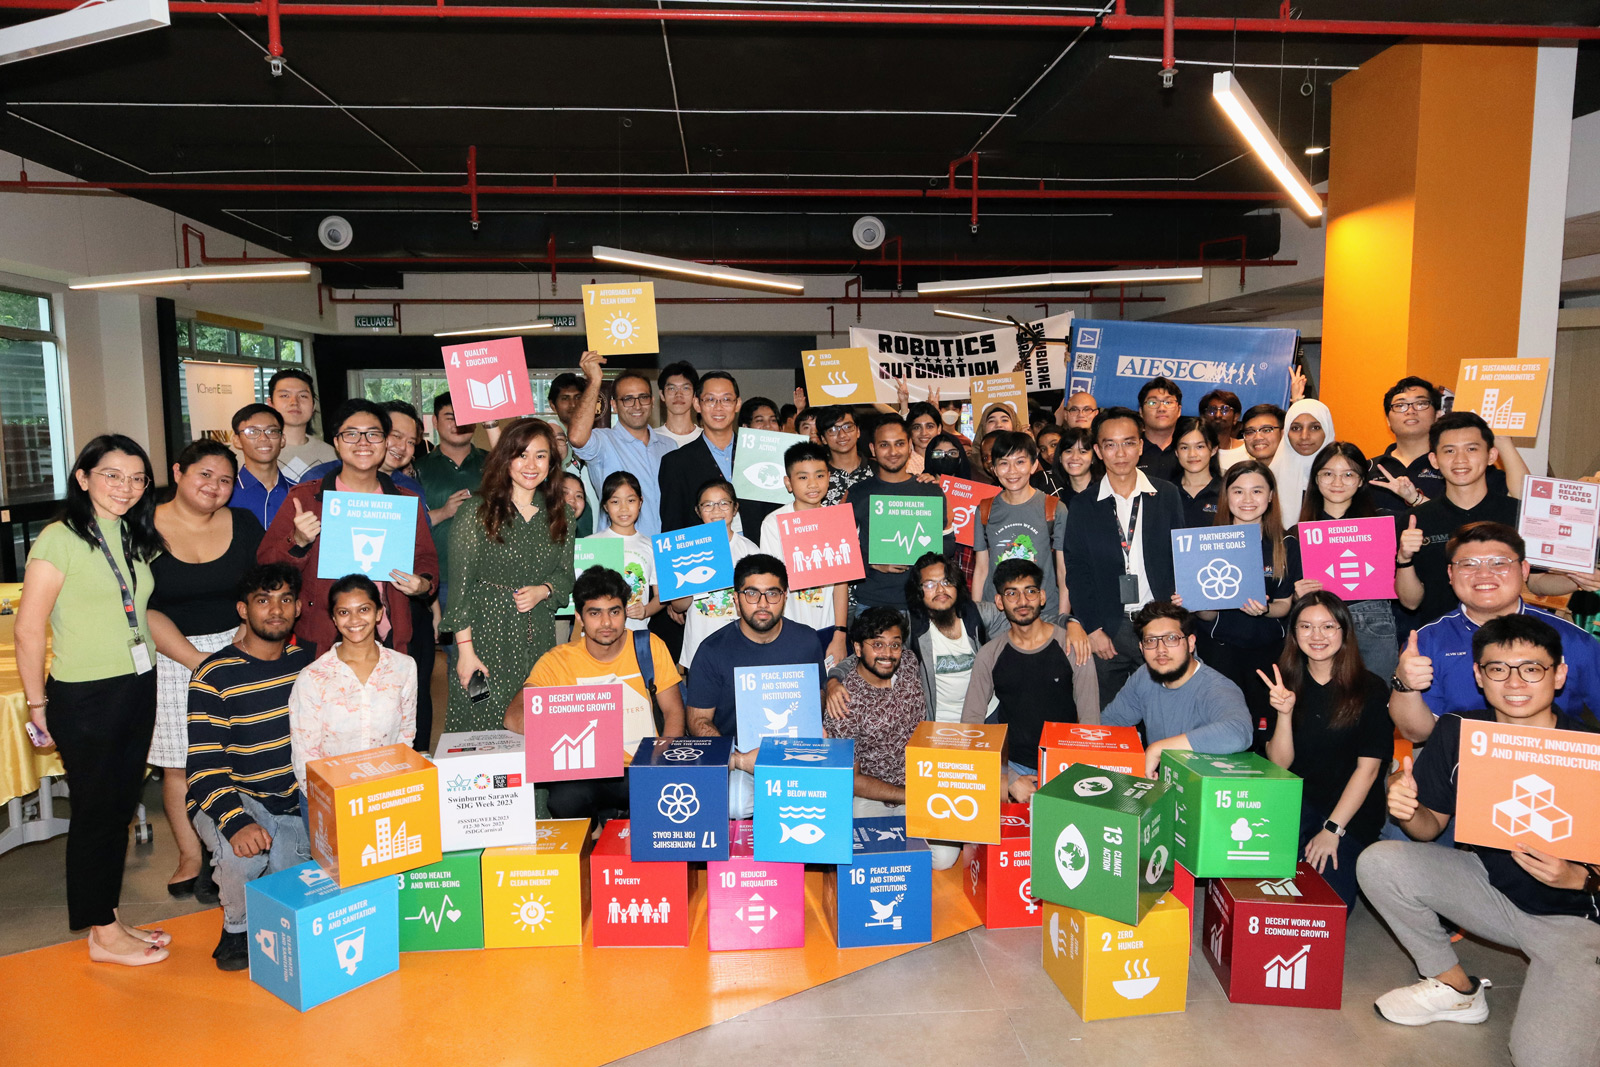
(510, 569)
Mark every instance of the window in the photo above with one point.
(207, 341)
(32, 428)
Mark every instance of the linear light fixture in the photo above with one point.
(524, 328)
(1227, 92)
(247, 272)
(751, 279)
(89, 24)
(973, 318)
(1078, 278)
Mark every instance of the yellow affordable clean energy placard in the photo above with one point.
(838, 376)
(621, 318)
(1508, 393)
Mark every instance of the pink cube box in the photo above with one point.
(752, 903)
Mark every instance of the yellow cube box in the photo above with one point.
(955, 774)
(1108, 970)
(373, 813)
(533, 894)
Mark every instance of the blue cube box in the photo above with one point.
(804, 800)
(886, 896)
(678, 799)
(310, 940)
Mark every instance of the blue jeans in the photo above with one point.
(290, 847)
(1376, 635)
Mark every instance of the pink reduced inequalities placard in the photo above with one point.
(488, 380)
(1353, 558)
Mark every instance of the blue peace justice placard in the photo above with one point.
(694, 560)
(367, 533)
(1218, 566)
(781, 701)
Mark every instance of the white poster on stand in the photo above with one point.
(216, 391)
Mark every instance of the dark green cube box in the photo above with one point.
(1238, 816)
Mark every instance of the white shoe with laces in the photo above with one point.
(1431, 1001)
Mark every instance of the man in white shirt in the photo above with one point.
(294, 395)
(678, 383)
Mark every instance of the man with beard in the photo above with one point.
(1024, 677)
(1182, 703)
(884, 585)
(1220, 408)
(885, 690)
(243, 797)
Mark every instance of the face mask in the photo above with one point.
(950, 417)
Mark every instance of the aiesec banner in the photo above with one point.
(1113, 359)
(951, 361)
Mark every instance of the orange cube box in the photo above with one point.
(955, 778)
(373, 813)
(1111, 748)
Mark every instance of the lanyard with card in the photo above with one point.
(1128, 581)
(137, 648)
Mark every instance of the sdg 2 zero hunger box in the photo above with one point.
(886, 896)
(1277, 940)
(678, 798)
(1236, 816)
(373, 813)
(1000, 877)
(1110, 970)
(1102, 842)
(954, 777)
(311, 939)
(485, 798)
(441, 904)
(533, 894)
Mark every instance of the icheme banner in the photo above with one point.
(1113, 359)
(951, 361)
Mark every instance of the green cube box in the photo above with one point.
(1238, 816)
(441, 905)
(1102, 842)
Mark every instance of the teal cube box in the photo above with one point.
(312, 939)
(805, 800)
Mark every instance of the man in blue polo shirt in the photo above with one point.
(1487, 570)
(634, 446)
(261, 487)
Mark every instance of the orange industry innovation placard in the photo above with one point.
(1525, 785)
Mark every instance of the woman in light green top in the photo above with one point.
(87, 583)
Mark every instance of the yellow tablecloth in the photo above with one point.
(21, 765)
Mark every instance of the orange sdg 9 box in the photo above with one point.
(373, 813)
(533, 894)
(1525, 785)
(955, 773)
(1111, 748)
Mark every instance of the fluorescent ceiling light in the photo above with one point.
(524, 328)
(1079, 278)
(89, 24)
(1315, 149)
(974, 318)
(1236, 105)
(727, 275)
(247, 272)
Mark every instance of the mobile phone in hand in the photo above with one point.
(40, 738)
(478, 687)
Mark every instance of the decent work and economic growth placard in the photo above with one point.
(1558, 522)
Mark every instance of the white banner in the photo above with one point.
(216, 391)
(951, 361)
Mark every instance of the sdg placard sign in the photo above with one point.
(694, 560)
(1351, 557)
(781, 701)
(367, 533)
(902, 528)
(758, 470)
(1218, 566)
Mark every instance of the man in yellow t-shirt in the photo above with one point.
(605, 654)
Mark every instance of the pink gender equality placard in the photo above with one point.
(488, 380)
(820, 546)
(1353, 558)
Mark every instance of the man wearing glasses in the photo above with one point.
(1405, 475)
(684, 470)
(1160, 404)
(837, 428)
(634, 446)
(1435, 675)
(1182, 703)
(261, 487)
(1262, 430)
(1221, 409)
(1079, 409)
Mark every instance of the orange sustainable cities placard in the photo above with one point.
(1508, 393)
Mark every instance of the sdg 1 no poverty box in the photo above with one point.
(373, 813)
(311, 940)
(1236, 816)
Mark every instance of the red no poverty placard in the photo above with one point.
(820, 546)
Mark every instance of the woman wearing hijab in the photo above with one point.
(1307, 426)
(947, 455)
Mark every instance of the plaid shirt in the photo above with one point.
(881, 720)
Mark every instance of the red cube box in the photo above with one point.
(1277, 941)
(999, 881)
(634, 904)
(1112, 748)
(1183, 889)
(753, 903)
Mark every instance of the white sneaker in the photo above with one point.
(1431, 1001)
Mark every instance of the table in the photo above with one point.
(24, 770)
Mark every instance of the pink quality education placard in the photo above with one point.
(1353, 558)
(488, 380)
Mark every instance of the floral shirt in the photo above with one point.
(881, 720)
(332, 714)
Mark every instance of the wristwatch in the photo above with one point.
(1333, 828)
(1398, 686)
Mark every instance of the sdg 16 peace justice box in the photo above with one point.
(311, 940)
(373, 813)
(886, 896)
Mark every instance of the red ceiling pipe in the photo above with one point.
(951, 190)
(1169, 60)
(550, 252)
(899, 259)
(472, 183)
(274, 30)
(1244, 250)
(1354, 28)
(857, 300)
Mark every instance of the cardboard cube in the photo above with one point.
(886, 896)
(1237, 816)
(1000, 879)
(1106, 842)
(805, 800)
(1183, 889)
(955, 781)
(678, 798)
(752, 903)
(485, 798)
(1111, 748)
(441, 905)
(373, 813)
(533, 894)
(1109, 970)
(636, 903)
(1277, 940)
(311, 939)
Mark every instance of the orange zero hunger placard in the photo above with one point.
(1524, 785)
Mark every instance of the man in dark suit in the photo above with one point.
(685, 469)
(1119, 547)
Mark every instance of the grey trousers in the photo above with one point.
(1411, 883)
(290, 847)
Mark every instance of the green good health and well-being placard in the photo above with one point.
(901, 528)
(441, 905)
(758, 464)
(593, 552)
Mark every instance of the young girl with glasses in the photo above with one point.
(711, 611)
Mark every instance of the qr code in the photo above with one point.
(1083, 362)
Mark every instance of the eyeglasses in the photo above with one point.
(1027, 592)
(1492, 563)
(1160, 402)
(350, 437)
(934, 584)
(1338, 476)
(271, 433)
(1079, 409)
(943, 453)
(1170, 640)
(117, 479)
(1260, 431)
(1400, 407)
(839, 429)
(1218, 410)
(717, 505)
(1327, 629)
(879, 645)
(641, 400)
(1528, 670)
(719, 401)
(756, 596)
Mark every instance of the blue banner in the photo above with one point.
(1113, 359)
(1218, 566)
(367, 533)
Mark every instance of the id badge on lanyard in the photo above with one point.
(138, 648)
(1127, 581)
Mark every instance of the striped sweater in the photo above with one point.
(239, 735)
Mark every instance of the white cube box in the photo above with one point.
(484, 799)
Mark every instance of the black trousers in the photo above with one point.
(102, 730)
(1113, 674)
(587, 797)
(1239, 666)
(422, 650)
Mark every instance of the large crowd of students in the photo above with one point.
(196, 635)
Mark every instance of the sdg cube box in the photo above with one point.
(1238, 816)
(1103, 841)
(373, 813)
(1111, 748)
(1109, 970)
(311, 939)
(533, 894)
(955, 781)
(754, 903)
(678, 798)
(485, 799)
(805, 800)
(886, 896)
(441, 905)
(1277, 940)
(633, 902)
(1000, 877)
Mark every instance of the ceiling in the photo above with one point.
(831, 122)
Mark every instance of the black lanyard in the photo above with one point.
(129, 612)
(1128, 534)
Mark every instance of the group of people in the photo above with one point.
(211, 630)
